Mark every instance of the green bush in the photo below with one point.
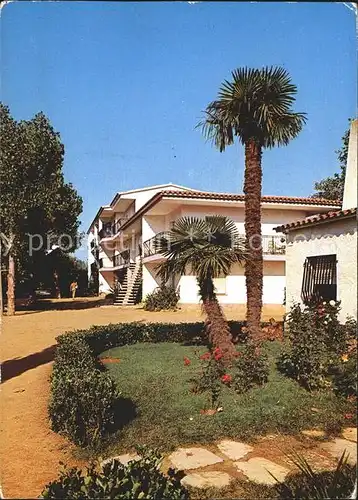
(82, 405)
(316, 343)
(160, 299)
(139, 479)
(250, 369)
(344, 376)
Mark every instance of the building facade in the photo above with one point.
(123, 240)
(321, 250)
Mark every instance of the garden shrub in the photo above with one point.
(82, 405)
(249, 369)
(317, 342)
(162, 298)
(139, 479)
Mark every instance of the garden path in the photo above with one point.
(216, 466)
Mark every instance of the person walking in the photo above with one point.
(73, 288)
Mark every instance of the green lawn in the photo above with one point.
(154, 378)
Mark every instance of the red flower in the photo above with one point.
(320, 312)
(226, 379)
(218, 353)
(348, 416)
(186, 361)
(205, 355)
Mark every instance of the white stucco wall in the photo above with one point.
(339, 238)
(273, 284)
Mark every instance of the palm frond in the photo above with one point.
(206, 247)
(256, 103)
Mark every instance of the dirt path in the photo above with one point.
(30, 451)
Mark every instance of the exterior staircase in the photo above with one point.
(130, 288)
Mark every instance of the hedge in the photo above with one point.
(84, 399)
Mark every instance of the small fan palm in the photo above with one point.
(206, 248)
(255, 107)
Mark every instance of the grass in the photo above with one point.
(154, 378)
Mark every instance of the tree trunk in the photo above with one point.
(11, 286)
(254, 265)
(218, 329)
(57, 291)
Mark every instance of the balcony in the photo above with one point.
(271, 245)
(153, 245)
(110, 229)
(122, 259)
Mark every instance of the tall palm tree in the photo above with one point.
(255, 107)
(207, 248)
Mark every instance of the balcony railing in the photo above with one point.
(155, 244)
(122, 259)
(271, 245)
(110, 229)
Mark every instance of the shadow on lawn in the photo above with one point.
(125, 411)
(15, 367)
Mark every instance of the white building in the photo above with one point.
(321, 251)
(123, 238)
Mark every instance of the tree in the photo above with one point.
(207, 248)
(35, 199)
(255, 108)
(331, 188)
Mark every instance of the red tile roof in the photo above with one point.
(317, 219)
(241, 197)
(203, 195)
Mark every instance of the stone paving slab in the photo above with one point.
(124, 459)
(212, 479)
(315, 433)
(350, 433)
(233, 449)
(256, 469)
(336, 448)
(193, 458)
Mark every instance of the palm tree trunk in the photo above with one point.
(11, 286)
(254, 265)
(56, 286)
(216, 325)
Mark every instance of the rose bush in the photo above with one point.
(317, 345)
(249, 369)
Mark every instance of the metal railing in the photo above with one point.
(110, 229)
(154, 245)
(271, 244)
(122, 259)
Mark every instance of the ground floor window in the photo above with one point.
(319, 278)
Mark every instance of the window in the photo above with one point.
(319, 278)
(220, 285)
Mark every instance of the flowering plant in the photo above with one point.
(318, 345)
(249, 368)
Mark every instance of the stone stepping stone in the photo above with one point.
(315, 433)
(124, 459)
(256, 469)
(233, 449)
(350, 433)
(193, 458)
(212, 479)
(336, 448)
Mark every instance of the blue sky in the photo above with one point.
(125, 83)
